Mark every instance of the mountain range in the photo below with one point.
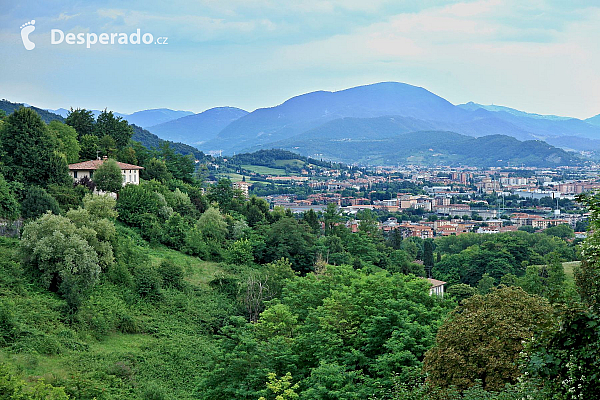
(376, 124)
(196, 129)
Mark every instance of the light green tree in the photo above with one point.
(67, 140)
(57, 252)
(281, 388)
(108, 177)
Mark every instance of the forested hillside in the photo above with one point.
(171, 289)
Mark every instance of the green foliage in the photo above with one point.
(30, 150)
(482, 339)
(100, 206)
(566, 357)
(57, 252)
(82, 121)
(485, 284)
(13, 387)
(37, 202)
(461, 291)
(156, 169)
(115, 127)
(561, 231)
(172, 274)
(287, 238)
(67, 140)
(281, 388)
(239, 253)
(89, 147)
(108, 177)
(341, 332)
(212, 225)
(135, 203)
(9, 207)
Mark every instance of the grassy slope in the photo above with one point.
(259, 169)
(91, 361)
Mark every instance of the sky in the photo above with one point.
(538, 56)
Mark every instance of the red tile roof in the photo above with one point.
(94, 164)
(435, 282)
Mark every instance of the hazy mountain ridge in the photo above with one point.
(197, 128)
(143, 118)
(426, 111)
(47, 116)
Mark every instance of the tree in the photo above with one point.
(287, 238)
(157, 169)
(82, 121)
(311, 219)
(56, 251)
(30, 150)
(108, 177)
(485, 284)
(482, 339)
(562, 231)
(37, 202)
(222, 194)
(331, 217)
(212, 225)
(89, 147)
(461, 291)
(135, 202)
(281, 388)
(9, 207)
(67, 140)
(428, 256)
(115, 127)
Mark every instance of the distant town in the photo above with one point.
(428, 202)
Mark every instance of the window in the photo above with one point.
(75, 174)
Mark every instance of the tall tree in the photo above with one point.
(30, 150)
(116, 127)
(67, 140)
(82, 121)
(428, 256)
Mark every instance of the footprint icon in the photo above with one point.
(26, 29)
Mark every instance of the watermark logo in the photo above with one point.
(26, 29)
(90, 39)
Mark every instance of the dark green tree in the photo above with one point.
(30, 150)
(9, 206)
(428, 256)
(156, 169)
(37, 202)
(116, 127)
(311, 219)
(90, 149)
(82, 121)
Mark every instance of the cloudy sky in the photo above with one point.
(537, 55)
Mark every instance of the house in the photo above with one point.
(129, 172)
(437, 287)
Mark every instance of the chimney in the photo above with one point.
(105, 158)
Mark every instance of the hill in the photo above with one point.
(198, 128)
(308, 111)
(595, 120)
(150, 140)
(47, 116)
(414, 109)
(435, 148)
